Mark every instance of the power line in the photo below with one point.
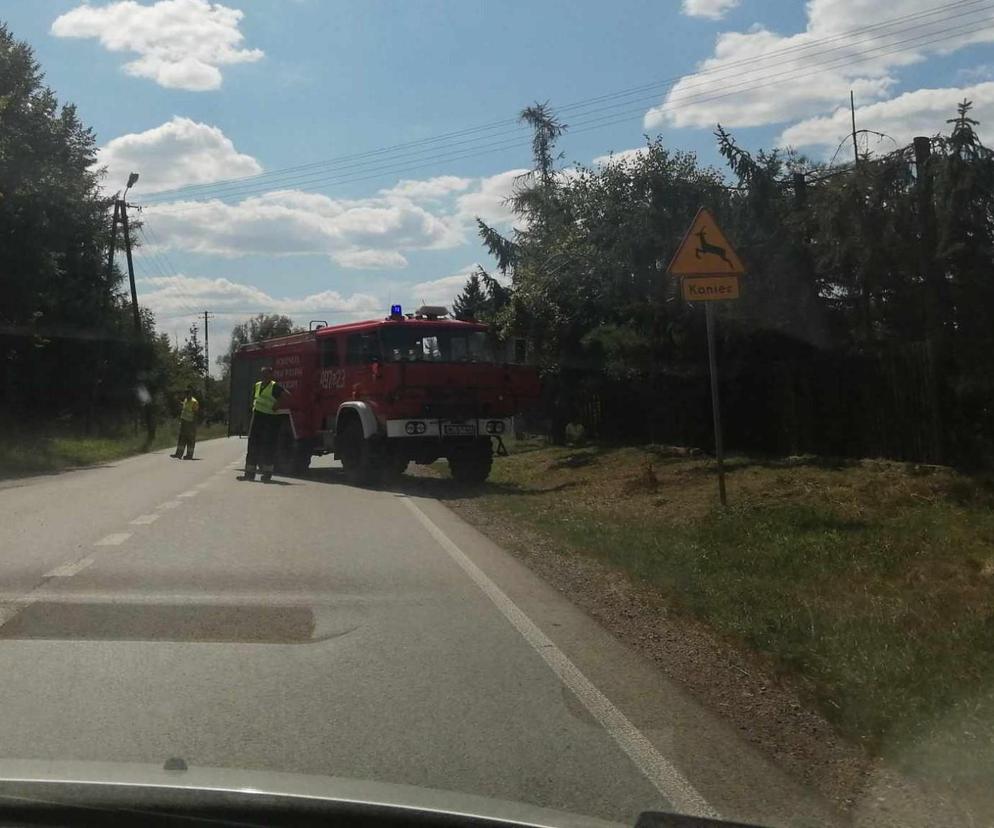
(592, 123)
(966, 7)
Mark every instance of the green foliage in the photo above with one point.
(67, 348)
(858, 267)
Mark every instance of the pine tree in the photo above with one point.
(471, 304)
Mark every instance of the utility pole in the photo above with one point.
(207, 356)
(121, 215)
(852, 111)
(131, 267)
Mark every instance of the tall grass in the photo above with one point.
(871, 585)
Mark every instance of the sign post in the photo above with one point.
(709, 270)
(719, 443)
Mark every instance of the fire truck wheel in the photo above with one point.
(472, 465)
(355, 454)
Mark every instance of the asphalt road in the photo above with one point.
(155, 608)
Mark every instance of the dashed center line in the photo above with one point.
(190, 493)
(144, 520)
(115, 539)
(169, 504)
(69, 569)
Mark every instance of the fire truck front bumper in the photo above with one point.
(448, 429)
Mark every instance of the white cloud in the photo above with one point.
(371, 259)
(922, 112)
(431, 189)
(175, 154)
(361, 233)
(762, 77)
(712, 9)
(489, 201)
(181, 44)
(371, 233)
(177, 294)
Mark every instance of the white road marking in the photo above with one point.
(190, 493)
(69, 569)
(144, 520)
(202, 485)
(169, 504)
(115, 539)
(663, 774)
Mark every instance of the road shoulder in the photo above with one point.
(738, 780)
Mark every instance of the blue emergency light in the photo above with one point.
(396, 310)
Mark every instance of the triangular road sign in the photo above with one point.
(705, 251)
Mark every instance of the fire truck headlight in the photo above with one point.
(422, 428)
(411, 428)
(495, 427)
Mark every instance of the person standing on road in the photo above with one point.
(265, 427)
(187, 425)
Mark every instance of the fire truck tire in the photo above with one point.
(356, 455)
(292, 456)
(472, 465)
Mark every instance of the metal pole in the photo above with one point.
(852, 110)
(146, 407)
(719, 447)
(207, 359)
(131, 269)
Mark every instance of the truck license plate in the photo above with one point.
(459, 430)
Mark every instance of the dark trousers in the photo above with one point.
(262, 443)
(187, 437)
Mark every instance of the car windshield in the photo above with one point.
(414, 343)
(565, 404)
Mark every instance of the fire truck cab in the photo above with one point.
(384, 393)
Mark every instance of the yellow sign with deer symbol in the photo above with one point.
(705, 251)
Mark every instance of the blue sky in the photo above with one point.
(190, 92)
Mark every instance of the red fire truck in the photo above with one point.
(383, 393)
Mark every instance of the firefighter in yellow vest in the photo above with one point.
(265, 428)
(187, 425)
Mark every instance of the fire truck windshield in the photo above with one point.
(423, 344)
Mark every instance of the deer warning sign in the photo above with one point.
(705, 251)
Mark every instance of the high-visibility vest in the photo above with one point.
(263, 400)
(189, 412)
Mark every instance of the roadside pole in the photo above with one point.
(719, 444)
(131, 269)
(207, 359)
(709, 270)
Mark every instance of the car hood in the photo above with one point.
(91, 781)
